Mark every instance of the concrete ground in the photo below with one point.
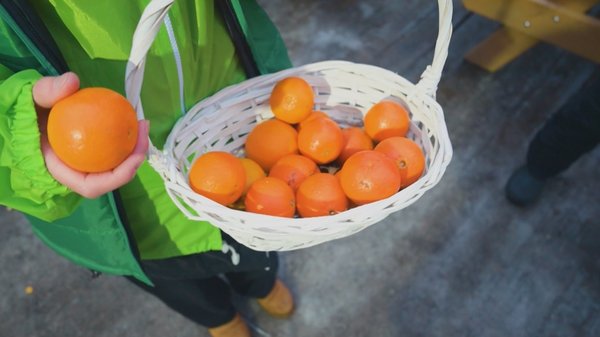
(461, 261)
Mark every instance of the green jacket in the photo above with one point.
(93, 39)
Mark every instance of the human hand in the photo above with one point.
(46, 92)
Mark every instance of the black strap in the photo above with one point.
(237, 36)
(36, 31)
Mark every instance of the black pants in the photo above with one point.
(571, 132)
(199, 286)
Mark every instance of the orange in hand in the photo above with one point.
(271, 196)
(321, 140)
(386, 119)
(319, 195)
(269, 141)
(369, 176)
(355, 140)
(292, 100)
(293, 169)
(407, 155)
(219, 176)
(93, 130)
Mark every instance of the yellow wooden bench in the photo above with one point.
(526, 22)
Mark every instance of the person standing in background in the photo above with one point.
(570, 133)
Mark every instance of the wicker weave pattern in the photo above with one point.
(343, 90)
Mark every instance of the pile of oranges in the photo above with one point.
(303, 163)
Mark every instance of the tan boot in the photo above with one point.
(279, 302)
(234, 328)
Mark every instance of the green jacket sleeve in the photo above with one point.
(25, 183)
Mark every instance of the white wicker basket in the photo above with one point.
(342, 89)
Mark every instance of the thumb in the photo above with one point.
(49, 90)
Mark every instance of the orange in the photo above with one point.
(253, 172)
(271, 196)
(219, 176)
(386, 119)
(337, 174)
(311, 116)
(369, 176)
(292, 100)
(269, 141)
(407, 155)
(293, 169)
(355, 140)
(320, 194)
(93, 130)
(321, 140)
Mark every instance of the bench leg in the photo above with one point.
(560, 22)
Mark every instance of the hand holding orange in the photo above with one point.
(47, 92)
(93, 130)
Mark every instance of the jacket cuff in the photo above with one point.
(31, 186)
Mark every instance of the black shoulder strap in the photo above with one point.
(242, 48)
(36, 31)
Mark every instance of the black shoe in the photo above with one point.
(522, 188)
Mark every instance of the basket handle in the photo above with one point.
(143, 37)
(433, 73)
(156, 10)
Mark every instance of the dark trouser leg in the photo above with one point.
(256, 284)
(206, 302)
(191, 284)
(571, 132)
(255, 274)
